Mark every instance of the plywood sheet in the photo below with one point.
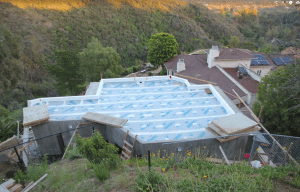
(221, 139)
(222, 133)
(233, 124)
(35, 115)
(105, 119)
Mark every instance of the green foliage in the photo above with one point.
(234, 41)
(279, 94)
(4, 112)
(66, 67)
(150, 74)
(134, 69)
(101, 171)
(149, 181)
(33, 172)
(97, 150)
(163, 72)
(7, 128)
(96, 59)
(162, 47)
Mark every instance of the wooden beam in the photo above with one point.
(8, 184)
(257, 120)
(20, 150)
(261, 109)
(33, 185)
(224, 155)
(230, 94)
(209, 82)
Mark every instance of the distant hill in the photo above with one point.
(126, 27)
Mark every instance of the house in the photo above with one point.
(258, 63)
(193, 67)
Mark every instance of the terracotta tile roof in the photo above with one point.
(249, 83)
(196, 67)
(233, 53)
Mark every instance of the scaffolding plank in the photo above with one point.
(35, 115)
(105, 119)
(235, 123)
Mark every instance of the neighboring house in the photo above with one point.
(258, 63)
(196, 66)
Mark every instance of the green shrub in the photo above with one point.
(33, 173)
(8, 128)
(134, 69)
(149, 181)
(97, 150)
(150, 74)
(101, 171)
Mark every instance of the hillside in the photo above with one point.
(28, 34)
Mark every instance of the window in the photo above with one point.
(258, 72)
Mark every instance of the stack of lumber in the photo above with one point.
(234, 124)
(10, 186)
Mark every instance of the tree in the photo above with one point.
(234, 41)
(279, 93)
(96, 59)
(64, 64)
(161, 47)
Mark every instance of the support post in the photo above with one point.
(149, 163)
(61, 143)
(287, 153)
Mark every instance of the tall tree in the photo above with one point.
(64, 64)
(96, 59)
(161, 47)
(279, 93)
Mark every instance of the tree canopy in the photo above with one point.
(161, 47)
(66, 66)
(96, 60)
(279, 93)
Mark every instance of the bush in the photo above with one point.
(33, 173)
(8, 128)
(134, 69)
(101, 171)
(148, 181)
(97, 151)
(150, 74)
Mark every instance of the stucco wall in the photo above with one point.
(231, 63)
(264, 70)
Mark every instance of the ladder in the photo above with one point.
(126, 152)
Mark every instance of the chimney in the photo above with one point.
(180, 65)
(213, 53)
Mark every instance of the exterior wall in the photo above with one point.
(232, 63)
(211, 56)
(264, 70)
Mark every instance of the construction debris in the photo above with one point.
(231, 125)
(35, 115)
(10, 186)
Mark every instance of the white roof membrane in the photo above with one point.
(157, 108)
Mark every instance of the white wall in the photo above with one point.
(265, 70)
(231, 63)
(211, 56)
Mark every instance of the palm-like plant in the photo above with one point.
(7, 128)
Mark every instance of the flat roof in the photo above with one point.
(157, 108)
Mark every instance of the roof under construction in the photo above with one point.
(157, 108)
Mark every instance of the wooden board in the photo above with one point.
(16, 188)
(222, 133)
(233, 124)
(105, 119)
(35, 115)
(221, 139)
(8, 184)
(208, 91)
(3, 189)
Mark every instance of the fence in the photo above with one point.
(270, 149)
(276, 150)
